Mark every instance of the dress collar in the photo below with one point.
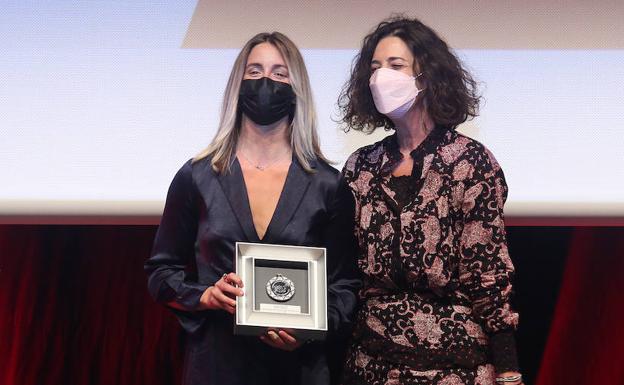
(393, 155)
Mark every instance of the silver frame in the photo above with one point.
(249, 321)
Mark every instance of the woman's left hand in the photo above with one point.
(280, 339)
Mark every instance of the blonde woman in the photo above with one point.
(262, 179)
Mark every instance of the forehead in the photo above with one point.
(265, 54)
(392, 46)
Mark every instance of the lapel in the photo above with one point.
(425, 153)
(391, 156)
(439, 138)
(295, 187)
(233, 186)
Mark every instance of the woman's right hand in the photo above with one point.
(222, 295)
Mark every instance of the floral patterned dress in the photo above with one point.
(435, 300)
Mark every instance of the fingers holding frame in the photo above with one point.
(280, 340)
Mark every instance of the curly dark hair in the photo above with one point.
(450, 94)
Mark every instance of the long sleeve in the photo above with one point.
(170, 268)
(343, 275)
(486, 269)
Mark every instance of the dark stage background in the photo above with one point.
(74, 307)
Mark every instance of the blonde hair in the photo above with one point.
(302, 131)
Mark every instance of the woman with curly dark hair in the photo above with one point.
(429, 213)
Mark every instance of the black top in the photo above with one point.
(205, 215)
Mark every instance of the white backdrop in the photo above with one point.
(99, 106)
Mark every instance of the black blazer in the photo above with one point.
(205, 214)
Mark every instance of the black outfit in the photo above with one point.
(205, 215)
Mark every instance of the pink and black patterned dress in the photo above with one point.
(435, 300)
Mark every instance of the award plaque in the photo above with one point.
(285, 288)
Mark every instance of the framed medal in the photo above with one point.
(280, 288)
(286, 288)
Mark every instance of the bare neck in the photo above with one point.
(412, 128)
(264, 143)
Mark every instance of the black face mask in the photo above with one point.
(266, 101)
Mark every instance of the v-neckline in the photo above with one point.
(277, 206)
(293, 192)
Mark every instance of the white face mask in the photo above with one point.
(394, 92)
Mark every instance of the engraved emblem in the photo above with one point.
(280, 288)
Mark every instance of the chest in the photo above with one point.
(264, 188)
(431, 210)
(285, 208)
(413, 241)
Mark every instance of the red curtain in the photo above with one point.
(586, 341)
(74, 309)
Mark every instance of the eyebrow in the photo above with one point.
(389, 59)
(250, 65)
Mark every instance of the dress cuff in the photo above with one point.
(503, 351)
(188, 295)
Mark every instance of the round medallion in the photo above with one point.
(280, 288)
